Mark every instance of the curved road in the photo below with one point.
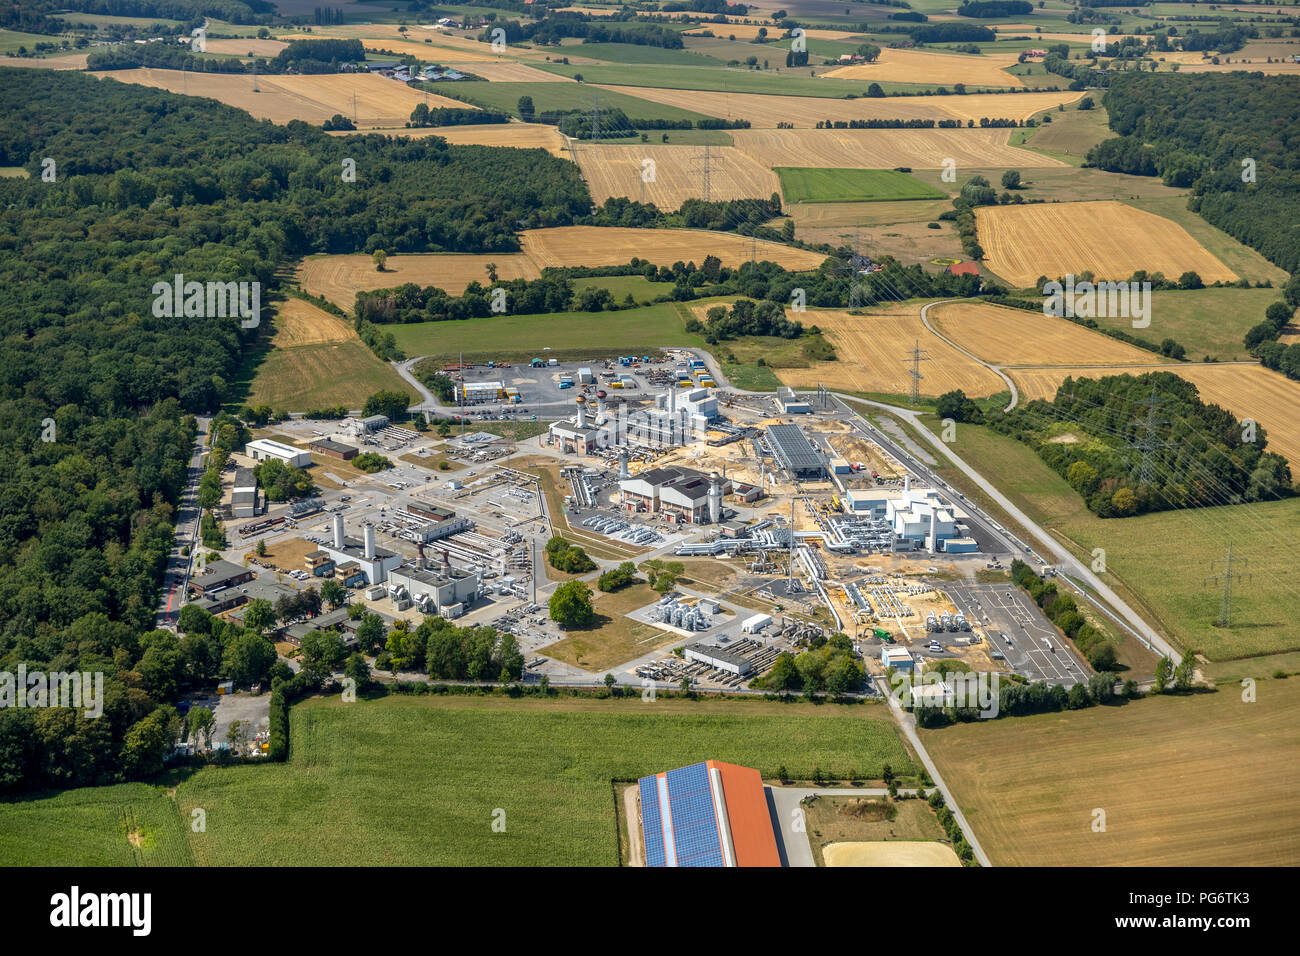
(995, 369)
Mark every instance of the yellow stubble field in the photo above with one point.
(1183, 781)
(244, 46)
(1107, 238)
(886, 148)
(301, 323)
(339, 278)
(674, 173)
(872, 355)
(377, 101)
(518, 135)
(1016, 337)
(922, 66)
(764, 110)
(1247, 390)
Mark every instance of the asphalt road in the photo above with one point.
(187, 532)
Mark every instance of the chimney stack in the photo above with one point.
(907, 484)
(934, 540)
(622, 464)
(582, 412)
(370, 542)
(338, 532)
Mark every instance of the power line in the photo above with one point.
(1147, 443)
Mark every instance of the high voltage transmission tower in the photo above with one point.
(916, 357)
(704, 166)
(1149, 428)
(1225, 609)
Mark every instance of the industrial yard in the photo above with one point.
(817, 524)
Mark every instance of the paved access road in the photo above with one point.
(187, 532)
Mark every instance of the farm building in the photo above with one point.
(707, 814)
(963, 269)
(264, 449)
(333, 449)
(795, 453)
(719, 658)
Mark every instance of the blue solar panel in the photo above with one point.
(652, 823)
(694, 825)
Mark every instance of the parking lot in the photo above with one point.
(1018, 629)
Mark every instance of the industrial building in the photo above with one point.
(218, 600)
(719, 658)
(707, 814)
(375, 563)
(899, 658)
(680, 493)
(791, 404)
(478, 393)
(755, 624)
(339, 620)
(333, 449)
(921, 517)
(217, 576)
(795, 453)
(245, 500)
(373, 423)
(438, 523)
(443, 590)
(264, 449)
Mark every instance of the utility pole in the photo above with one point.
(916, 357)
(255, 87)
(1225, 610)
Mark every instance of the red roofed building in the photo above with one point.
(963, 269)
(707, 814)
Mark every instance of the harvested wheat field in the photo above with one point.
(886, 148)
(748, 31)
(675, 174)
(922, 66)
(518, 135)
(1107, 238)
(339, 278)
(1245, 389)
(1016, 337)
(245, 47)
(300, 323)
(764, 110)
(890, 853)
(596, 246)
(872, 353)
(73, 61)
(505, 71)
(1199, 780)
(314, 99)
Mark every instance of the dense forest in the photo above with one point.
(1147, 443)
(1223, 135)
(149, 185)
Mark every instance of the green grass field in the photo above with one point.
(132, 824)
(1204, 321)
(802, 184)
(417, 780)
(561, 96)
(315, 376)
(1161, 560)
(733, 80)
(639, 287)
(633, 53)
(515, 338)
(1069, 135)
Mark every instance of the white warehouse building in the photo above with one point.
(264, 449)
